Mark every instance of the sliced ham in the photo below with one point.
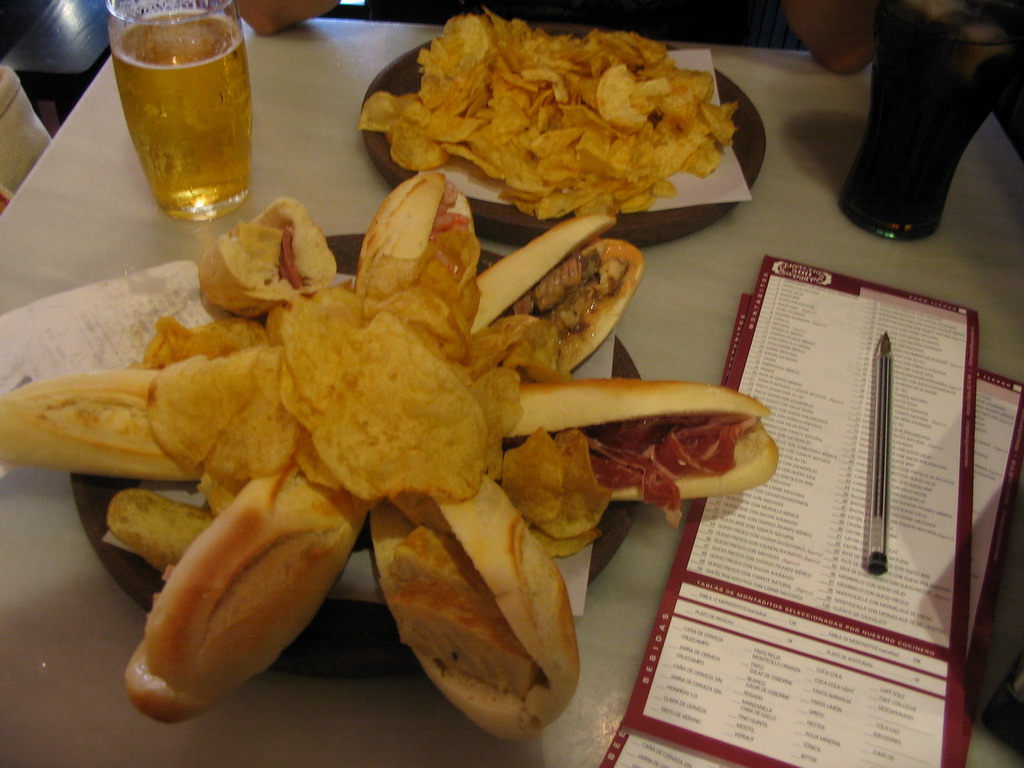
(445, 220)
(287, 266)
(653, 453)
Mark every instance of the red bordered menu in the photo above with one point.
(998, 456)
(773, 645)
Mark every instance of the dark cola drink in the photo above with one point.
(939, 70)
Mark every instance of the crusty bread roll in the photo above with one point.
(584, 403)
(241, 593)
(393, 247)
(561, 405)
(509, 278)
(500, 642)
(556, 276)
(157, 528)
(277, 256)
(93, 423)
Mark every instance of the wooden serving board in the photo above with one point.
(506, 224)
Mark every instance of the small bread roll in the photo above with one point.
(272, 259)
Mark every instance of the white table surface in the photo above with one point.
(84, 214)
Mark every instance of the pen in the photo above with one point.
(878, 522)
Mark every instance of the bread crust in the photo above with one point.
(92, 423)
(249, 284)
(505, 282)
(554, 406)
(242, 592)
(508, 279)
(531, 595)
(395, 241)
(558, 406)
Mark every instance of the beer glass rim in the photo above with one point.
(164, 11)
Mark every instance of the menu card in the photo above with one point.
(998, 455)
(773, 644)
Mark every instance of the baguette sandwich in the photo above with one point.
(483, 608)
(397, 243)
(272, 259)
(569, 275)
(658, 441)
(93, 423)
(241, 593)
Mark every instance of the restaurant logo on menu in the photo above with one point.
(802, 272)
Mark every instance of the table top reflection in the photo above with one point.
(84, 215)
(52, 36)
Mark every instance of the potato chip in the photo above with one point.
(224, 415)
(411, 149)
(551, 483)
(311, 465)
(467, 41)
(532, 479)
(220, 491)
(174, 342)
(564, 546)
(385, 413)
(429, 315)
(719, 120)
(449, 272)
(497, 392)
(304, 328)
(526, 344)
(595, 124)
(437, 296)
(381, 110)
(615, 99)
(452, 128)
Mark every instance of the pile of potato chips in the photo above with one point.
(383, 394)
(570, 125)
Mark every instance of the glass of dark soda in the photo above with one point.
(940, 67)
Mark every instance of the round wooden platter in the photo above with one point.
(346, 638)
(504, 223)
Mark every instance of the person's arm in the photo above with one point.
(838, 33)
(270, 16)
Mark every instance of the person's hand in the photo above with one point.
(838, 33)
(269, 16)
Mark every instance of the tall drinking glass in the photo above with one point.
(940, 67)
(183, 78)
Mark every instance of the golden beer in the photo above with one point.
(184, 86)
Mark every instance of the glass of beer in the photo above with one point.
(940, 67)
(183, 78)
